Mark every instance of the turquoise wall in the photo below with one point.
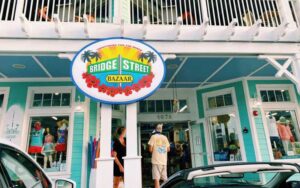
(203, 143)
(76, 166)
(243, 114)
(18, 95)
(92, 129)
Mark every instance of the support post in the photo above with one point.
(104, 175)
(286, 13)
(132, 162)
(296, 70)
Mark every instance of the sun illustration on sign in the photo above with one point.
(118, 69)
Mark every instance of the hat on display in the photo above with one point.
(282, 120)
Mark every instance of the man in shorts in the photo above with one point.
(159, 147)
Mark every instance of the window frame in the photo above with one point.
(292, 105)
(51, 111)
(232, 109)
(163, 106)
(3, 108)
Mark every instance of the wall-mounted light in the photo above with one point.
(79, 105)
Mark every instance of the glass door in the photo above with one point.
(225, 138)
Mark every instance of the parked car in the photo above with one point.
(250, 175)
(19, 170)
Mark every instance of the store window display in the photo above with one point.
(224, 135)
(48, 142)
(284, 134)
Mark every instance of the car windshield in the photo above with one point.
(245, 179)
(21, 171)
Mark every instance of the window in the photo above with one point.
(284, 134)
(51, 99)
(21, 171)
(1, 100)
(275, 96)
(225, 140)
(220, 101)
(48, 142)
(155, 106)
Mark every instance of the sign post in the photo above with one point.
(118, 71)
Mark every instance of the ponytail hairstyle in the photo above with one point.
(118, 132)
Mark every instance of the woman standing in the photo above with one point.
(119, 151)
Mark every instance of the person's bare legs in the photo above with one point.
(117, 180)
(156, 183)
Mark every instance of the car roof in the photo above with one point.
(236, 168)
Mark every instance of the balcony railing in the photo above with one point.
(261, 20)
(96, 11)
(164, 12)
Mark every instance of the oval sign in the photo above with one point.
(118, 70)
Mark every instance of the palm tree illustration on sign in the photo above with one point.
(88, 55)
(142, 56)
(150, 56)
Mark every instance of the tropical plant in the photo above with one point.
(151, 57)
(88, 55)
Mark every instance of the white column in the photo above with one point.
(132, 162)
(117, 12)
(104, 174)
(286, 13)
(296, 70)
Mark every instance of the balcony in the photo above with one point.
(183, 20)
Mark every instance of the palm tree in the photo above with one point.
(96, 55)
(142, 56)
(151, 56)
(88, 55)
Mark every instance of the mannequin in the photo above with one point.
(284, 134)
(48, 148)
(61, 140)
(36, 139)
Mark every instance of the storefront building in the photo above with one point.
(232, 78)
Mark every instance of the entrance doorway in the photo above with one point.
(179, 156)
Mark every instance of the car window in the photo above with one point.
(21, 171)
(295, 177)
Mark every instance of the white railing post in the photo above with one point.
(19, 9)
(104, 174)
(286, 13)
(117, 11)
(132, 162)
(204, 10)
(297, 7)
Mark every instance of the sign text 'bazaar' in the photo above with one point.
(118, 70)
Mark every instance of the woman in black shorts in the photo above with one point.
(119, 151)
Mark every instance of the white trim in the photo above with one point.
(220, 111)
(3, 109)
(32, 112)
(273, 106)
(3, 75)
(257, 70)
(85, 139)
(252, 122)
(66, 79)
(216, 71)
(177, 71)
(41, 66)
